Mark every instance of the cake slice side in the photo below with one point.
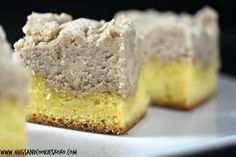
(13, 98)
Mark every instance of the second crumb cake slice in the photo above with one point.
(183, 59)
(85, 73)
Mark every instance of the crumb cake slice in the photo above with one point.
(85, 73)
(182, 55)
(13, 98)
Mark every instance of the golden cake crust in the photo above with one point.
(90, 127)
(183, 105)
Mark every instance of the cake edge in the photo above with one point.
(88, 127)
(184, 105)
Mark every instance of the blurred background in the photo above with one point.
(13, 16)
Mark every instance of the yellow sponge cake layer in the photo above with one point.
(179, 84)
(103, 112)
(12, 128)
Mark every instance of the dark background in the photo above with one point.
(13, 16)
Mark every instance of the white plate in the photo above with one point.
(162, 132)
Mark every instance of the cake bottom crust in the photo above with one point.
(182, 105)
(91, 127)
